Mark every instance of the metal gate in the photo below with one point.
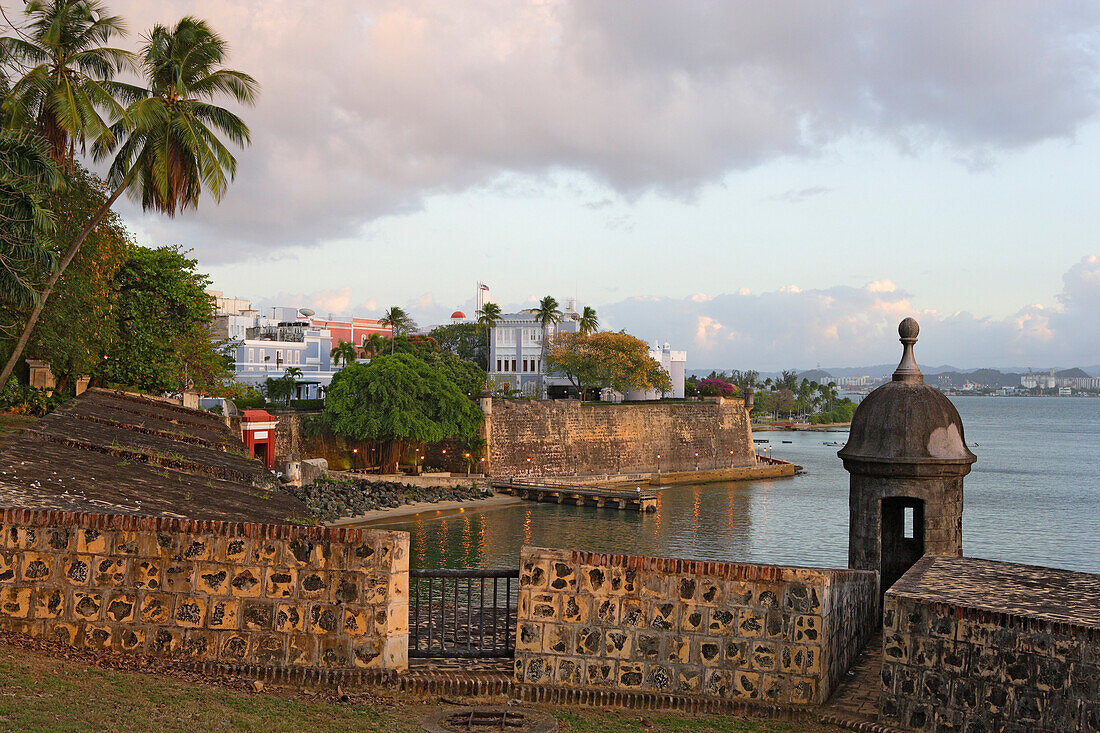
(468, 613)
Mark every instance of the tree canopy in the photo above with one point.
(464, 341)
(399, 399)
(606, 359)
(163, 316)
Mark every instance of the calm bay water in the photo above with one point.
(1033, 497)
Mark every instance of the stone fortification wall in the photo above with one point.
(650, 626)
(564, 438)
(989, 646)
(288, 599)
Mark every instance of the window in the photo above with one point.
(524, 365)
(908, 532)
(252, 355)
(513, 365)
(498, 365)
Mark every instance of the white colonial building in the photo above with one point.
(515, 349)
(266, 344)
(515, 356)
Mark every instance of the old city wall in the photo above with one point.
(952, 667)
(623, 625)
(294, 601)
(564, 438)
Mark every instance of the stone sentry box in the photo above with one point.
(651, 626)
(979, 645)
(284, 598)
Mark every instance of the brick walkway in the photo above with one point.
(857, 696)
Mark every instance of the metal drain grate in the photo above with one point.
(514, 720)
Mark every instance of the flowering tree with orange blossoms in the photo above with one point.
(605, 359)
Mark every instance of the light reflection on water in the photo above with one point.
(1033, 497)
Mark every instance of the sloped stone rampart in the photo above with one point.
(755, 634)
(251, 596)
(565, 438)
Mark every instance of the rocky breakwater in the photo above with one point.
(332, 499)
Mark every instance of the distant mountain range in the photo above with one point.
(945, 374)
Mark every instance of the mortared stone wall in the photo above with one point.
(980, 645)
(286, 599)
(755, 634)
(565, 438)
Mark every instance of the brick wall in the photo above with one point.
(563, 438)
(947, 666)
(742, 633)
(277, 597)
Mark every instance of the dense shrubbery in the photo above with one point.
(716, 388)
(24, 400)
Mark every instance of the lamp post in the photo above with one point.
(467, 464)
(528, 466)
(658, 464)
(731, 459)
(696, 461)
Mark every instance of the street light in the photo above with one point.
(696, 461)
(731, 459)
(658, 464)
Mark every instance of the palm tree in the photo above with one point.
(343, 352)
(374, 345)
(546, 314)
(70, 82)
(399, 322)
(487, 319)
(290, 378)
(27, 175)
(171, 150)
(588, 321)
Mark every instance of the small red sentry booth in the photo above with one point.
(258, 429)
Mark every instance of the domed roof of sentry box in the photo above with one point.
(906, 421)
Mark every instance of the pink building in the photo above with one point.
(355, 331)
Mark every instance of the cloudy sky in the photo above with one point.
(764, 184)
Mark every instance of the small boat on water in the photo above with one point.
(788, 441)
(760, 440)
(832, 443)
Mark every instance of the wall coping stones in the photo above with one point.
(718, 569)
(132, 522)
(1007, 593)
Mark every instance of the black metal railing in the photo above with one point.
(468, 612)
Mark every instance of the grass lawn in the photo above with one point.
(42, 692)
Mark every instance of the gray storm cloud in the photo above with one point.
(367, 107)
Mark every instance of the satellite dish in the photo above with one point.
(307, 312)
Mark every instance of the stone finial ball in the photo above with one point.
(908, 329)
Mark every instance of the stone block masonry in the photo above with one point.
(565, 438)
(626, 625)
(979, 645)
(287, 599)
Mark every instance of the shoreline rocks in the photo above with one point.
(331, 499)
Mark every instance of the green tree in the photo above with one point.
(546, 315)
(399, 322)
(487, 319)
(462, 340)
(374, 345)
(78, 328)
(27, 178)
(588, 321)
(399, 400)
(606, 359)
(69, 85)
(343, 352)
(170, 151)
(746, 381)
(163, 319)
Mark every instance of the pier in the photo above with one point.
(641, 498)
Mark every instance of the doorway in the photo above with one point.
(902, 538)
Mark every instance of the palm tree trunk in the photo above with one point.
(70, 254)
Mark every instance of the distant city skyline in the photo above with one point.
(753, 182)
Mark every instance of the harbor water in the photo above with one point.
(1033, 497)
